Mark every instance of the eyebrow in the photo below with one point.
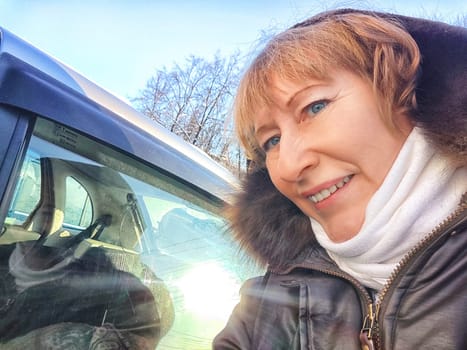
(262, 129)
(290, 101)
(292, 98)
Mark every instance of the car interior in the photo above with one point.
(81, 208)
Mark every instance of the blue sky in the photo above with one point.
(119, 44)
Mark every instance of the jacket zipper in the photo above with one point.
(366, 300)
(370, 337)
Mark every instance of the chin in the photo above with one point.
(339, 233)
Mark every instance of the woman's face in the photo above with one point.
(327, 148)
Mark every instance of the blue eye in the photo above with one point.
(316, 107)
(270, 143)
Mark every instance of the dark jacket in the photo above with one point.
(305, 301)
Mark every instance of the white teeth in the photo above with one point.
(323, 194)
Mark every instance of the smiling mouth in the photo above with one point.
(327, 192)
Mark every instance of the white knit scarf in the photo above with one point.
(420, 191)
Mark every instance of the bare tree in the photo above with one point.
(193, 101)
(461, 20)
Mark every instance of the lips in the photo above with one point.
(325, 193)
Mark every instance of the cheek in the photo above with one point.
(271, 166)
(273, 170)
(378, 160)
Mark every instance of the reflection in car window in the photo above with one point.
(96, 238)
(78, 206)
(27, 191)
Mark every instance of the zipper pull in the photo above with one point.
(366, 333)
(367, 344)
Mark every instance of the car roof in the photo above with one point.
(33, 80)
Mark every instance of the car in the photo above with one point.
(112, 226)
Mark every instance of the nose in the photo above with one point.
(296, 154)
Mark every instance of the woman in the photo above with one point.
(356, 122)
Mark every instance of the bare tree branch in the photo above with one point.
(194, 101)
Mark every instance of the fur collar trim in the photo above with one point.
(274, 231)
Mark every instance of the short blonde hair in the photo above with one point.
(376, 49)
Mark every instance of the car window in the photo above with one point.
(96, 236)
(78, 205)
(27, 191)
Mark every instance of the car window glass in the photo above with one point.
(78, 206)
(27, 191)
(111, 240)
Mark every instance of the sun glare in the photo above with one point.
(210, 291)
